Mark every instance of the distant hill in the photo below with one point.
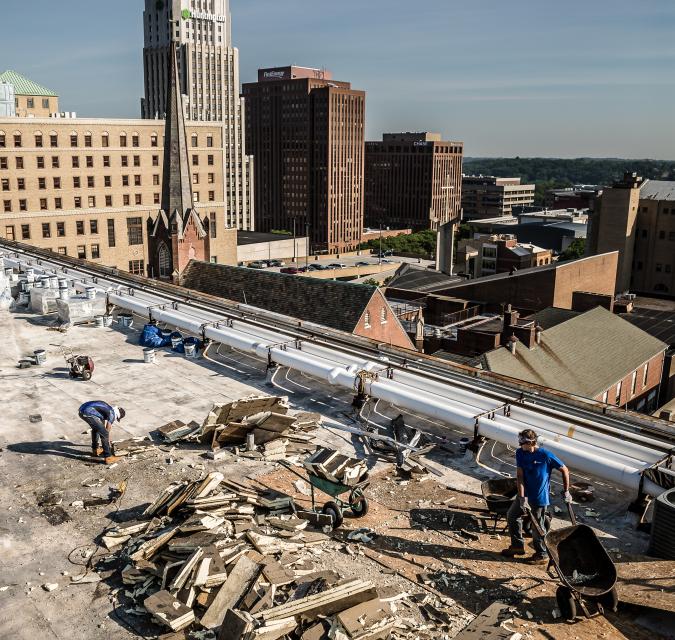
(548, 173)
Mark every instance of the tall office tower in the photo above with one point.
(306, 132)
(208, 68)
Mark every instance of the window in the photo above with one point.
(105, 140)
(366, 320)
(87, 139)
(212, 196)
(604, 396)
(135, 142)
(19, 162)
(42, 183)
(3, 163)
(137, 180)
(618, 392)
(213, 259)
(108, 201)
(23, 206)
(633, 383)
(17, 139)
(60, 229)
(209, 141)
(73, 139)
(79, 227)
(195, 196)
(111, 232)
(153, 140)
(107, 181)
(93, 226)
(91, 201)
(126, 200)
(137, 267)
(645, 371)
(21, 184)
(155, 179)
(9, 232)
(76, 162)
(106, 161)
(164, 260)
(40, 162)
(125, 161)
(659, 267)
(53, 140)
(78, 202)
(155, 198)
(30, 103)
(195, 160)
(57, 183)
(211, 178)
(45, 103)
(3, 141)
(58, 203)
(90, 161)
(95, 251)
(123, 140)
(90, 182)
(125, 181)
(7, 205)
(195, 178)
(155, 161)
(137, 161)
(209, 160)
(82, 252)
(195, 140)
(55, 162)
(5, 184)
(63, 251)
(38, 140)
(46, 230)
(25, 232)
(76, 182)
(138, 199)
(135, 230)
(383, 316)
(212, 224)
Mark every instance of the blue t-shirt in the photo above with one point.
(537, 467)
(98, 409)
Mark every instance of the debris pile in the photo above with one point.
(234, 558)
(331, 465)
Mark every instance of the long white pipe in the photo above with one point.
(341, 369)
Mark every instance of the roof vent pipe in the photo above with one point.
(512, 344)
(537, 334)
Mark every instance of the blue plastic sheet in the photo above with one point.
(152, 336)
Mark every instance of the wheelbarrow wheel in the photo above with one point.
(333, 509)
(566, 603)
(359, 505)
(610, 600)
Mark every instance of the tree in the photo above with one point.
(577, 249)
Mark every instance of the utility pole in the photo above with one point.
(294, 243)
(306, 245)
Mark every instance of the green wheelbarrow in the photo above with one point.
(335, 508)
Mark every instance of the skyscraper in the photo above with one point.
(208, 68)
(306, 132)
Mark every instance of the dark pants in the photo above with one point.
(515, 519)
(98, 432)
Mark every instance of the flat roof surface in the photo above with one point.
(253, 237)
(658, 323)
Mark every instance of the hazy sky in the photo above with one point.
(523, 77)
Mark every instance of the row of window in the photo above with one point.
(5, 184)
(383, 318)
(30, 103)
(664, 210)
(644, 233)
(88, 139)
(89, 161)
(633, 386)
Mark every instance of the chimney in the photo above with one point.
(537, 334)
(512, 341)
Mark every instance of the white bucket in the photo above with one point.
(9, 271)
(175, 341)
(64, 294)
(28, 285)
(190, 350)
(125, 319)
(90, 293)
(107, 321)
(63, 283)
(40, 356)
(23, 297)
(53, 282)
(148, 355)
(30, 275)
(99, 321)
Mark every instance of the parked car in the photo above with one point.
(363, 264)
(384, 254)
(257, 264)
(291, 270)
(337, 265)
(276, 263)
(317, 266)
(388, 261)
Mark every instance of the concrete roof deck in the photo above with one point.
(52, 452)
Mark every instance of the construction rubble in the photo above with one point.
(232, 559)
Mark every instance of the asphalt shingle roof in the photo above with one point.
(583, 356)
(23, 86)
(412, 278)
(330, 303)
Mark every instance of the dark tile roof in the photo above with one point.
(412, 278)
(253, 237)
(660, 324)
(330, 303)
(551, 316)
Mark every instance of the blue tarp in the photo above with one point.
(152, 336)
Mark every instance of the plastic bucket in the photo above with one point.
(148, 355)
(30, 275)
(107, 321)
(190, 345)
(99, 321)
(38, 284)
(125, 319)
(53, 282)
(40, 356)
(64, 294)
(9, 271)
(463, 445)
(90, 293)
(176, 339)
(23, 297)
(28, 285)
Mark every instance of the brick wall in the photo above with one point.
(378, 322)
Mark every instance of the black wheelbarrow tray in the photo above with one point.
(585, 569)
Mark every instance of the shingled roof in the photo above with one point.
(330, 303)
(23, 86)
(583, 356)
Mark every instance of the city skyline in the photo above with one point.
(522, 79)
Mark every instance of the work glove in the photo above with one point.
(524, 503)
(567, 497)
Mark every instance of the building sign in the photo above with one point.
(275, 75)
(420, 143)
(201, 15)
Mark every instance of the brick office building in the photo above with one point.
(31, 100)
(413, 180)
(306, 133)
(492, 197)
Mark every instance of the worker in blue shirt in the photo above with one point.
(534, 466)
(100, 416)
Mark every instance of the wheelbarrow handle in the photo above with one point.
(570, 511)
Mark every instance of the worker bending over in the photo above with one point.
(100, 416)
(534, 465)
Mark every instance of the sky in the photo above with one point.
(522, 78)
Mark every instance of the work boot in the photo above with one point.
(537, 558)
(512, 551)
(112, 459)
(97, 452)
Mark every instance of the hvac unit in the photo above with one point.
(662, 543)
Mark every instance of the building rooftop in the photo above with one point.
(23, 86)
(583, 356)
(552, 316)
(412, 278)
(331, 303)
(657, 190)
(253, 237)
(659, 323)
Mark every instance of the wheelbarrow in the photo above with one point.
(356, 501)
(80, 366)
(499, 495)
(578, 559)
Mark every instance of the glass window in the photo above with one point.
(38, 140)
(42, 183)
(111, 232)
(19, 162)
(57, 183)
(73, 139)
(153, 140)
(46, 230)
(87, 140)
(79, 227)
(155, 161)
(105, 140)
(23, 205)
(210, 160)
(91, 201)
(90, 182)
(139, 198)
(95, 251)
(25, 232)
(137, 180)
(135, 142)
(60, 229)
(78, 202)
(7, 206)
(106, 161)
(137, 161)
(137, 267)
(123, 140)
(75, 162)
(107, 181)
(58, 203)
(17, 139)
(125, 161)
(40, 162)
(195, 160)
(135, 230)
(212, 224)
(82, 252)
(90, 161)
(76, 182)
(53, 140)
(93, 226)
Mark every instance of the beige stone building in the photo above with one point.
(31, 100)
(89, 187)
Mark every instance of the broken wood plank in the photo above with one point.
(236, 625)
